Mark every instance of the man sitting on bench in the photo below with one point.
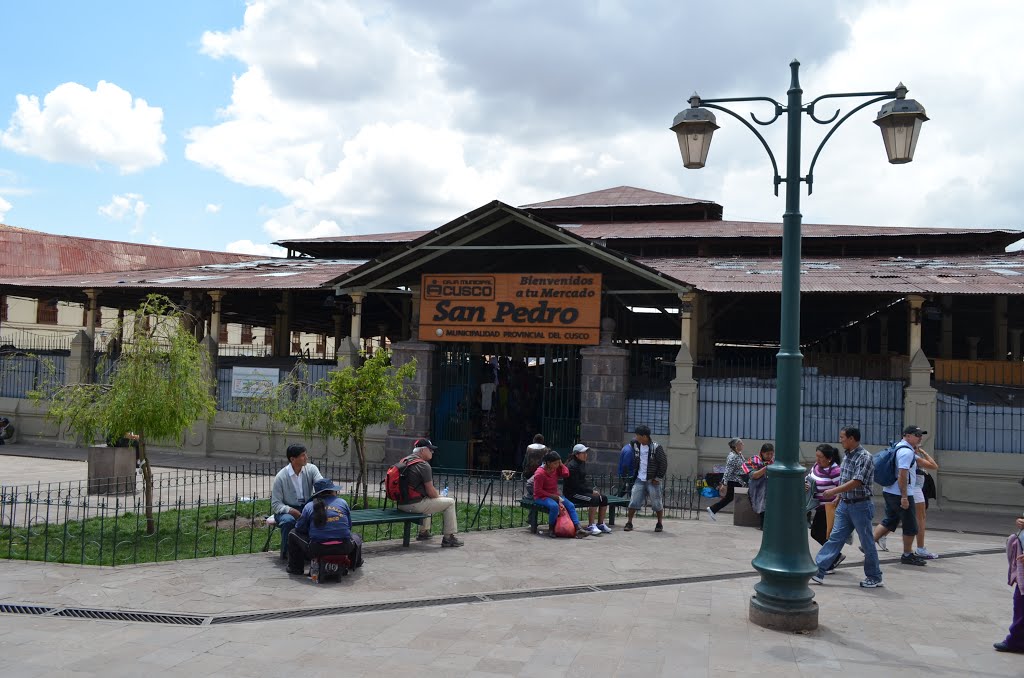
(324, 528)
(424, 497)
(293, 487)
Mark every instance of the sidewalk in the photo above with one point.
(640, 604)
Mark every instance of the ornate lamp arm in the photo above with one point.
(779, 110)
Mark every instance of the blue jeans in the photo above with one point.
(552, 506)
(286, 523)
(850, 517)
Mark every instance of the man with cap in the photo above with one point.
(420, 481)
(292, 488)
(324, 528)
(577, 490)
(899, 497)
(650, 464)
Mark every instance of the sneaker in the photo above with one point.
(604, 528)
(658, 527)
(297, 573)
(628, 527)
(551, 532)
(911, 559)
(593, 529)
(581, 532)
(452, 541)
(712, 514)
(881, 543)
(926, 554)
(836, 562)
(818, 578)
(1003, 647)
(870, 583)
(424, 536)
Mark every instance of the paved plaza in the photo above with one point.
(513, 604)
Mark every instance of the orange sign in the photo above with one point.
(518, 308)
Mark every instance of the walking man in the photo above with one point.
(650, 464)
(855, 510)
(899, 497)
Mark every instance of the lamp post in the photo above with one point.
(782, 599)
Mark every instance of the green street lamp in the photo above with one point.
(782, 599)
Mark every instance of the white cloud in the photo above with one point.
(5, 207)
(259, 249)
(76, 125)
(124, 206)
(211, 208)
(154, 239)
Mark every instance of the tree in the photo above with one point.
(342, 405)
(160, 386)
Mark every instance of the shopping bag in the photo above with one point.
(563, 524)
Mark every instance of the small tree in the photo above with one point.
(342, 405)
(160, 387)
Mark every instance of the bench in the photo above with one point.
(613, 501)
(369, 517)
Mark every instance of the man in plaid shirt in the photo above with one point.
(855, 510)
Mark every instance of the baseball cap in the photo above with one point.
(914, 431)
(424, 442)
(580, 448)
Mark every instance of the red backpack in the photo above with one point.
(396, 484)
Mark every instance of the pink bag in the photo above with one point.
(563, 525)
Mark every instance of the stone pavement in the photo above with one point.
(508, 619)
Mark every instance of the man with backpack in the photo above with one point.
(418, 494)
(648, 468)
(899, 494)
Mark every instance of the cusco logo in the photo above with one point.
(460, 288)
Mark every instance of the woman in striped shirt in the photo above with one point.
(823, 475)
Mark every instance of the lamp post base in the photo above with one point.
(780, 619)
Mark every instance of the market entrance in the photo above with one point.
(490, 400)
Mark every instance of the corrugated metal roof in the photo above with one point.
(620, 196)
(966, 274)
(256, 274)
(32, 253)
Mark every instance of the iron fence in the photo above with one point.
(204, 513)
(652, 368)
(21, 372)
(30, 343)
(738, 399)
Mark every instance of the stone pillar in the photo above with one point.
(79, 364)
(1001, 326)
(347, 354)
(919, 403)
(1015, 344)
(972, 347)
(689, 316)
(947, 327)
(914, 303)
(603, 385)
(212, 347)
(682, 444)
(217, 296)
(419, 407)
(282, 326)
(357, 318)
(90, 315)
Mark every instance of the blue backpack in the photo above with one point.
(886, 470)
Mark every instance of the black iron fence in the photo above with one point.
(22, 371)
(652, 368)
(980, 406)
(737, 398)
(204, 513)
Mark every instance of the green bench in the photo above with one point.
(371, 517)
(613, 501)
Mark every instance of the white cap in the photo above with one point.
(580, 448)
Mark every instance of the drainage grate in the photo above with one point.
(344, 609)
(24, 609)
(541, 593)
(146, 617)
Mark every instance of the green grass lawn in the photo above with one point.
(182, 534)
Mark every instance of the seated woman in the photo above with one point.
(582, 494)
(325, 518)
(545, 492)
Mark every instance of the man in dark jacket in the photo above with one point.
(650, 464)
(580, 493)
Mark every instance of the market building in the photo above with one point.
(582, 317)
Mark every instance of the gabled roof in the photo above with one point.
(620, 196)
(33, 253)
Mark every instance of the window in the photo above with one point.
(247, 334)
(46, 312)
(296, 342)
(321, 345)
(222, 335)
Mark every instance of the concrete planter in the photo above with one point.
(111, 470)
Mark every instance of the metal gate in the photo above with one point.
(489, 402)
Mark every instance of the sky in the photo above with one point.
(228, 125)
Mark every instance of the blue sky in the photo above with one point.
(275, 119)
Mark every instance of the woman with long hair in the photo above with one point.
(824, 474)
(732, 477)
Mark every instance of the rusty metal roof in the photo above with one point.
(963, 274)
(620, 196)
(33, 253)
(276, 274)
